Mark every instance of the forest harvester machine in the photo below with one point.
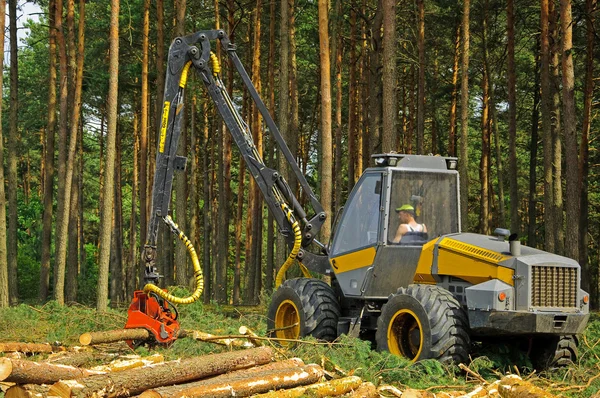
(427, 296)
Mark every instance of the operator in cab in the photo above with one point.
(406, 214)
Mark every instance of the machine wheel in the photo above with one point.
(554, 351)
(303, 307)
(422, 322)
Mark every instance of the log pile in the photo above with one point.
(241, 373)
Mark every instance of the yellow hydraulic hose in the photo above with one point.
(197, 271)
(297, 241)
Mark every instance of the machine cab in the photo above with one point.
(394, 210)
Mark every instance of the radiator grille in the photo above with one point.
(553, 286)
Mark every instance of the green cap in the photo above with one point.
(407, 208)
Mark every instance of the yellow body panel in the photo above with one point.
(471, 263)
(355, 260)
(423, 273)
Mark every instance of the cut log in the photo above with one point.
(330, 388)
(255, 383)
(252, 337)
(135, 381)
(365, 390)
(136, 361)
(228, 342)
(80, 359)
(239, 374)
(512, 386)
(30, 347)
(23, 372)
(111, 336)
(27, 391)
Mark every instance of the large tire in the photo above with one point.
(309, 304)
(422, 322)
(554, 351)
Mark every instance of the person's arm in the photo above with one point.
(402, 229)
(424, 227)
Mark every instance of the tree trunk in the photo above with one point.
(421, 83)
(270, 269)
(338, 158)
(557, 196)
(12, 142)
(533, 150)
(352, 99)
(570, 129)
(29, 347)
(145, 100)
(170, 390)
(390, 113)
(107, 205)
(335, 387)
(484, 211)
(590, 6)
(134, 381)
(464, 116)
(369, 91)
(512, 119)
(549, 219)
(207, 210)
(112, 336)
(193, 199)
(73, 248)
(116, 288)
(326, 140)
(132, 263)
(23, 371)
(27, 391)
(48, 159)
(63, 220)
(4, 300)
(276, 379)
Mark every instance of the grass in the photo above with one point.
(54, 323)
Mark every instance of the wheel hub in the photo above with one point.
(287, 321)
(405, 335)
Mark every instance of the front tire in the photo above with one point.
(554, 351)
(303, 307)
(422, 322)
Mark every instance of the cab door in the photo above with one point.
(357, 234)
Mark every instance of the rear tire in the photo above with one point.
(422, 322)
(303, 307)
(554, 351)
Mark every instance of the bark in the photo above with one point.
(352, 100)
(23, 371)
(238, 235)
(73, 253)
(464, 116)
(326, 389)
(226, 341)
(121, 365)
(48, 160)
(512, 118)
(369, 135)
(484, 211)
(135, 381)
(549, 219)
(112, 336)
(255, 384)
(107, 205)
(338, 158)
(284, 109)
(172, 390)
(570, 130)
(326, 139)
(293, 135)
(61, 216)
(421, 82)
(12, 142)
(207, 197)
(4, 300)
(270, 269)
(29, 347)
(390, 112)
(144, 132)
(533, 150)
(194, 150)
(512, 386)
(132, 263)
(27, 391)
(557, 196)
(584, 151)
(181, 178)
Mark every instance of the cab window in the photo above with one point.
(359, 226)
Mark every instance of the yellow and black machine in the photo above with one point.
(402, 273)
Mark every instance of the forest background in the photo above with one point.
(507, 86)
